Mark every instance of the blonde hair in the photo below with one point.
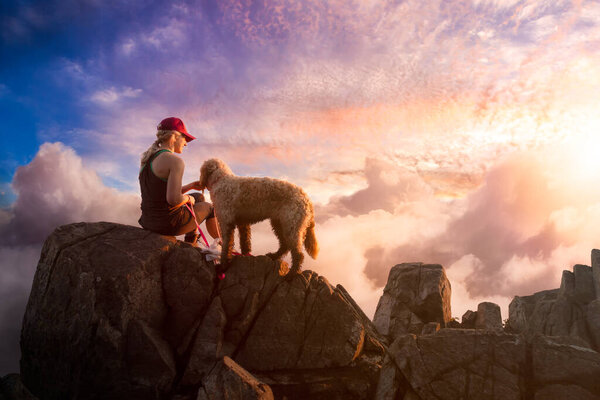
(161, 136)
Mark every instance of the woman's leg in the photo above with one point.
(212, 227)
(204, 211)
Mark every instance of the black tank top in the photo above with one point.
(157, 214)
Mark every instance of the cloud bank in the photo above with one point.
(56, 188)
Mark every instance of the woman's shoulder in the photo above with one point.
(168, 156)
(169, 160)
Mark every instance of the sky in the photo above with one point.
(463, 133)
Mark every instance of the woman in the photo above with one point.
(164, 200)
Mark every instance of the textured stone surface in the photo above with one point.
(414, 295)
(468, 319)
(567, 284)
(306, 323)
(118, 312)
(584, 284)
(391, 383)
(188, 286)
(596, 271)
(430, 328)
(462, 364)
(564, 362)
(98, 289)
(568, 311)
(593, 321)
(229, 381)
(207, 345)
(11, 388)
(488, 316)
(149, 359)
(477, 364)
(248, 285)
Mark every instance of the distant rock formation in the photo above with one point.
(118, 312)
(572, 311)
(415, 294)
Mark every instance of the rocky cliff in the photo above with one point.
(117, 312)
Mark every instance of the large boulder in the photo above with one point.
(414, 295)
(95, 314)
(119, 312)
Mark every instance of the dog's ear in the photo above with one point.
(203, 175)
(207, 170)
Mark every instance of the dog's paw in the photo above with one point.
(294, 273)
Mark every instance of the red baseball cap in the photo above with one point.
(175, 124)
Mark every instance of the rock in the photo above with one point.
(462, 364)
(12, 388)
(301, 326)
(96, 308)
(229, 381)
(567, 285)
(248, 285)
(481, 364)
(207, 344)
(596, 271)
(468, 319)
(188, 286)
(119, 312)
(300, 335)
(430, 328)
(559, 312)
(307, 324)
(584, 284)
(565, 363)
(488, 316)
(390, 379)
(453, 323)
(593, 322)
(149, 358)
(414, 295)
(563, 392)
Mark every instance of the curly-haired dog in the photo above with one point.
(243, 201)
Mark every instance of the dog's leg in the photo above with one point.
(297, 258)
(277, 229)
(245, 242)
(227, 244)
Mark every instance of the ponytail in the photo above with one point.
(161, 136)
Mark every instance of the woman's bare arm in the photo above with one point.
(174, 188)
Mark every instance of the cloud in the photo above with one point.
(54, 189)
(113, 95)
(514, 234)
(18, 267)
(387, 188)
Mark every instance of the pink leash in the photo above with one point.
(220, 275)
(197, 224)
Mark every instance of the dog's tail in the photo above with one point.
(310, 241)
